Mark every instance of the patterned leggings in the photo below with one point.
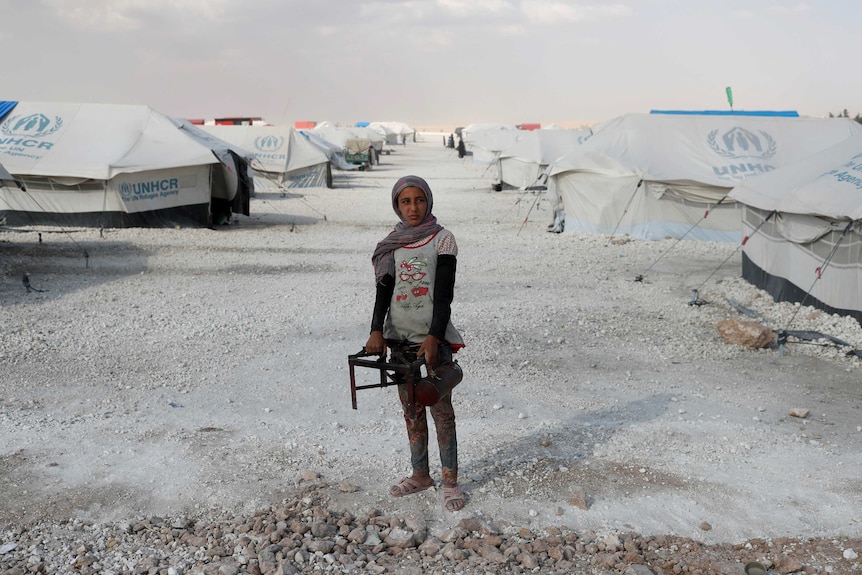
(417, 421)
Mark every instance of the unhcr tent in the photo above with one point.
(334, 152)
(396, 132)
(354, 141)
(117, 165)
(338, 134)
(487, 141)
(805, 226)
(283, 158)
(6, 178)
(524, 163)
(654, 176)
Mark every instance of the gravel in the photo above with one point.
(184, 390)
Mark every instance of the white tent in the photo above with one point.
(352, 138)
(338, 134)
(487, 141)
(524, 163)
(283, 158)
(334, 152)
(5, 177)
(653, 176)
(117, 165)
(815, 229)
(395, 132)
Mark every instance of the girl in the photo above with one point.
(414, 268)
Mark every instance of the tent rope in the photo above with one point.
(535, 199)
(63, 229)
(625, 211)
(491, 163)
(640, 278)
(299, 197)
(820, 269)
(741, 244)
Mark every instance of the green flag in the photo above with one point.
(729, 96)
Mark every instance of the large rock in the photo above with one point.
(746, 333)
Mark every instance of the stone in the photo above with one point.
(579, 499)
(431, 547)
(785, 564)
(746, 333)
(528, 560)
(7, 547)
(322, 529)
(491, 553)
(471, 524)
(451, 535)
(799, 412)
(400, 538)
(309, 475)
(638, 570)
(322, 545)
(357, 535)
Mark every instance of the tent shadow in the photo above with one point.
(59, 263)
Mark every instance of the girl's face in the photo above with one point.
(412, 205)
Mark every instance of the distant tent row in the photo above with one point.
(654, 176)
(129, 165)
(394, 132)
(524, 163)
(791, 185)
(355, 141)
(487, 141)
(519, 157)
(116, 165)
(282, 157)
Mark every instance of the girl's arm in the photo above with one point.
(444, 293)
(382, 300)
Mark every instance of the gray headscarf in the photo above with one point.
(403, 234)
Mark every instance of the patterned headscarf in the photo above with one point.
(404, 234)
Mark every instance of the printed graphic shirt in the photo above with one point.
(412, 305)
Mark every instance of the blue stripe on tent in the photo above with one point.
(362, 124)
(6, 107)
(779, 113)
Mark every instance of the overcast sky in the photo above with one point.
(429, 62)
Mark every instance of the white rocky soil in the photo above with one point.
(193, 373)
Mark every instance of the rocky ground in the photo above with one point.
(177, 401)
(312, 533)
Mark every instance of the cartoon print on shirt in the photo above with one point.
(412, 282)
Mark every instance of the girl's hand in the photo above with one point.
(429, 350)
(376, 343)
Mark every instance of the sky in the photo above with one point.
(433, 62)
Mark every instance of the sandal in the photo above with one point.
(453, 498)
(407, 486)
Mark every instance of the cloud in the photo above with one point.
(555, 12)
(467, 8)
(389, 13)
(124, 15)
(799, 8)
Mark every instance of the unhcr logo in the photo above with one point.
(33, 126)
(740, 143)
(268, 143)
(140, 191)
